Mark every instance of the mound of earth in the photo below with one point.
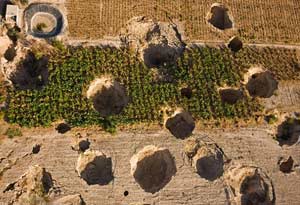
(181, 124)
(288, 132)
(262, 84)
(235, 44)
(33, 187)
(249, 185)
(74, 199)
(231, 96)
(156, 42)
(219, 17)
(207, 159)
(152, 168)
(95, 167)
(108, 96)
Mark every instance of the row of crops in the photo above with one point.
(203, 69)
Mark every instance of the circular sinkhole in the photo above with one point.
(286, 165)
(152, 168)
(219, 17)
(249, 185)
(10, 53)
(63, 128)
(209, 162)
(156, 55)
(43, 20)
(109, 96)
(95, 167)
(262, 85)
(186, 92)
(288, 132)
(235, 44)
(231, 96)
(181, 124)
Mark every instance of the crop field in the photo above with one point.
(203, 69)
(268, 21)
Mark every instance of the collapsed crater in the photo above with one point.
(108, 96)
(31, 72)
(10, 53)
(249, 185)
(43, 20)
(156, 42)
(181, 124)
(153, 168)
(186, 92)
(219, 17)
(209, 162)
(235, 44)
(262, 85)
(288, 132)
(95, 167)
(231, 96)
(286, 166)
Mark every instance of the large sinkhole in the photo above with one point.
(219, 17)
(181, 125)
(157, 55)
(209, 162)
(254, 190)
(152, 168)
(31, 72)
(95, 168)
(231, 96)
(288, 132)
(108, 96)
(249, 185)
(262, 85)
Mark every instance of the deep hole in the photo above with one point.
(210, 167)
(99, 171)
(47, 181)
(126, 193)
(288, 132)
(231, 96)
(36, 149)
(220, 18)
(254, 190)
(10, 53)
(31, 73)
(262, 85)
(186, 92)
(157, 55)
(153, 172)
(84, 145)
(63, 128)
(235, 44)
(110, 101)
(286, 166)
(181, 125)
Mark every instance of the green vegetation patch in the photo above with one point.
(202, 69)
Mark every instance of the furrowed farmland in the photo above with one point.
(269, 21)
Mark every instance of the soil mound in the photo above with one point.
(231, 96)
(152, 168)
(235, 44)
(262, 85)
(181, 124)
(95, 167)
(109, 96)
(249, 185)
(219, 17)
(33, 187)
(156, 42)
(288, 132)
